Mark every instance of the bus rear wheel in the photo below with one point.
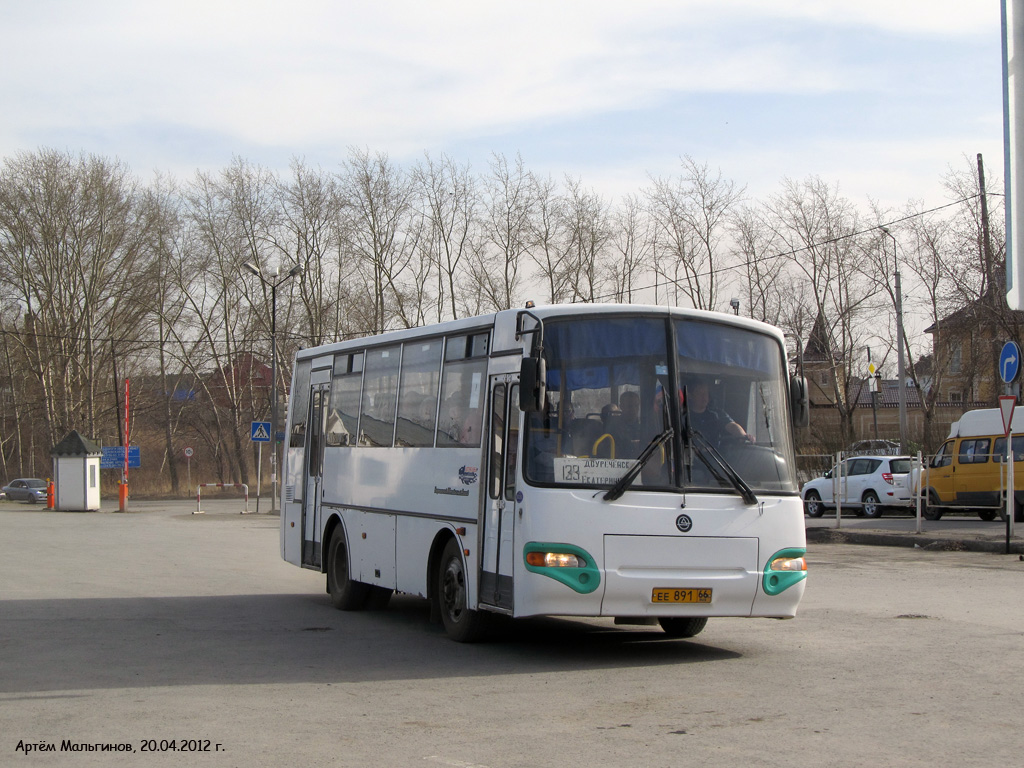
(451, 589)
(346, 594)
(680, 626)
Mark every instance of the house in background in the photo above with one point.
(966, 346)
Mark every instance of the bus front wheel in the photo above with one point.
(451, 589)
(678, 626)
(346, 594)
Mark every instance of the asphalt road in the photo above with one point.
(158, 625)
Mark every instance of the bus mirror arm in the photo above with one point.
(533, 373)
(532, 384)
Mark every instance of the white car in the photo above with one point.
(866, 483)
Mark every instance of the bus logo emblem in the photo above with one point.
(684, 523)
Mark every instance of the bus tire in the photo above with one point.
(683, 626)
(346, 594)
(931, 509)
(988, 515)
(462, 624)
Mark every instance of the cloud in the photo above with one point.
(578, 85)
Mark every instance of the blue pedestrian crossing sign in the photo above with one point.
(1009, 362)
(260, 432)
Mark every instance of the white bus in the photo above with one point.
(529, 462)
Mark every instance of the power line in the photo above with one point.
(795, 251)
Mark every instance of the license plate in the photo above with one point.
(668, 595)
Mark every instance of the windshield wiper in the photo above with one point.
(707, 450)
(624, 482)
(693, 438)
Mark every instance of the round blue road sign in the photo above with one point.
(1009, 362)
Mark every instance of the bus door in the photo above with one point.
(313, 472)
(500, 504)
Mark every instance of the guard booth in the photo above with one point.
(76, 473)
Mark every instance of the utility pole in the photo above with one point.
(902, 371)
(986, 242)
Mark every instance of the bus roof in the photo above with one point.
(504, 322)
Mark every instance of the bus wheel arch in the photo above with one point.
(451, 595)
(346, 593)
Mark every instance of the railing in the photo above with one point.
(243, 486)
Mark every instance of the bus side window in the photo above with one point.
(380, 393)
(512, 447)
(417, 393)
(462, 396)
(497, 438)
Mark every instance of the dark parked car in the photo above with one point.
(30, 489)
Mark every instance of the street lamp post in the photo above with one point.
(899, 346)
(273, 284)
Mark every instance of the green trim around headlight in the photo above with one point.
(583, 580)
(776, 582)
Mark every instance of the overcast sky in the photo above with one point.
(879, 96)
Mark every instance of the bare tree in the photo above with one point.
(309, 236)
(234, 218)
(691, 221)
(72, 251)
(767, 290)
(588, 231)
(548, 240)
(632, 240)
(450, 202)
(508, 207)
(818, 227)
(377, 203)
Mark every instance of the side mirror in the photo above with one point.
(533, 376)
(799, 402)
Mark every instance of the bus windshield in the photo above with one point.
(608, 385)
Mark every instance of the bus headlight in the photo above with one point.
(554, 560)
(565, 563)
(789, 564)
(784, 569)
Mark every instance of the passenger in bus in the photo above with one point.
(714, 424)
(610, 413)
(626, 429)
(622, 437)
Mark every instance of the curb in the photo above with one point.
(917, 541)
